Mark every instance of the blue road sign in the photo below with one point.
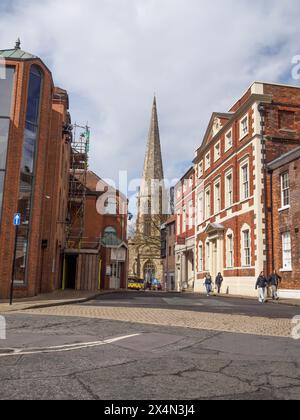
(17, 219)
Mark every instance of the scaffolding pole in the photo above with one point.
(78, 186)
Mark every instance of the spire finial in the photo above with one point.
(18, 44)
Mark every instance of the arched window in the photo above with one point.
(110, 231)
(27, 175)
(229, 249)
(149, 270)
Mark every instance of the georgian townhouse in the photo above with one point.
(285, 221)
(185, 231)
(233, 205)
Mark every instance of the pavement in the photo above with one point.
(69, 297)
(153, 346)
(56, 298)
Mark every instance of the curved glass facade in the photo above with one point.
(28, 171)
(6, 90)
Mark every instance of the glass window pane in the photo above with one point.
(6, 88)
(21, 256)
(28, 152)
(33, 99)
(4, 128)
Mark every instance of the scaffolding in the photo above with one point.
(78, 186)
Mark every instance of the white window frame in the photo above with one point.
(229, 202)
(285, 189)
(217, 199)
(207, 161)
(191, 214)
(191, 181)
(228, 145)
(184, 220)
(246, 250)
(287, 258)
(201, 207)
(200, 258)
(243, 183)
(230, 249)
(217, 153)
(200, 169)
(243, 133)
(178, 224)
(207, 204)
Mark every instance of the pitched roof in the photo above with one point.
(17, 54)
(285, 159)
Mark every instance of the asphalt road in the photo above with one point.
(51, 357)
(197, 303)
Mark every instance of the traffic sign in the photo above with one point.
(17, 219)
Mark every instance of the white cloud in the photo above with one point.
(112, 55)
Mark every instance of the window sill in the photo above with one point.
(286, 270)
(284, 208)
(244, 200)
(244, 136)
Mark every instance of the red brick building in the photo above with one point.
(33, 147)
(233, 203)
(185, 197)
(37, 157)
(285, 223)
(101, 260)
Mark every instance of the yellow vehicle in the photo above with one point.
(135, 284)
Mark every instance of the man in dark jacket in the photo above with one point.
(274, 281)
(261, 285)
(208, 284)
(219, 282)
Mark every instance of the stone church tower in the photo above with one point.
(145, 247)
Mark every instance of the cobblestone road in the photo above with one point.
(176, 312)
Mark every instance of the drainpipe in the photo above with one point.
(261, 110)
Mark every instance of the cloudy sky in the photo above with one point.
(198, 56)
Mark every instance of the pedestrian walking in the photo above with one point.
(274, 281)
(208, 284)
(219, 282)
(261, 285)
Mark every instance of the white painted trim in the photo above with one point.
(225, 219)
(284, 208)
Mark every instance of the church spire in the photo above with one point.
(153, 166)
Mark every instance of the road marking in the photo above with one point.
(64, 348)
